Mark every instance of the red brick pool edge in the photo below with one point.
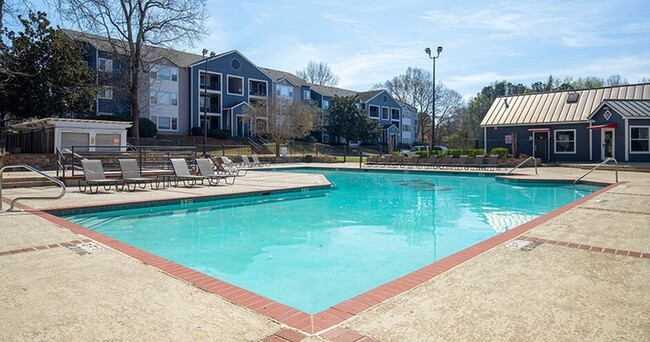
(324, 320)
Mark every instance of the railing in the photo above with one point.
(597, 166)
(524, 162)
(35, 170)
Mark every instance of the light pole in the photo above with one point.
(433, 106)
(205, 99)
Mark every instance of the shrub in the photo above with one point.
(473, 152)
(454, 152)
(501, 151)
(219, 134)
(440, 154)
(196, 131)
(148, 129)
(422, 154)
(310, 139)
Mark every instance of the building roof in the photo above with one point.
(626, 108)
(51, 122)
(332, 91)
(369, 95)
(278, 75)
(150, 53)
(407, 106)
(553, 107)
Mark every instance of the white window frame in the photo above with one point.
(228, 85)
(326, 138)
(106, 90)
(108, 64)
(399, 114)
(555, 141)
(387, 113)
(210, 73)
(306, 94)
(630, 135)
(378, 112)
(157, 120)
(250, 80)
(326, 103)
(278, 91)
(406, 128)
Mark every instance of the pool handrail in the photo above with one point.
(597, 166)
(524, 162)
(35, 170)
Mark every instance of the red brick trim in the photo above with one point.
(313, 324)
(617, 210)
(286, 335)
(340, 334)
(40, 248)
(587, 247)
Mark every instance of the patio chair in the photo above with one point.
(476, 163)
(492, 162)
(246, 162)
(445, 161)
(225, 166)
(131, 177)
(257, 161)
(182, 173)
(385, 160)
(94, 176)
(429, 162)
(412, 160)
(372, 160)
(396, 161)
(206, 170)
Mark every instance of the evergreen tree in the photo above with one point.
(347, 121)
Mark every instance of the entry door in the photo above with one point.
(540, 145)
(607, 144)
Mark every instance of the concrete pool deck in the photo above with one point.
(556, 291)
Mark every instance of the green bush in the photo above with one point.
(473, 152)
(219, 134)
(501, 151)
(310, 139)
(148, 129)
(196, 131)
(422, 154)
(454, 152)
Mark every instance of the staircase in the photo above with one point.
(258, 146)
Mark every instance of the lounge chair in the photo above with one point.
(182, 173)
(372, 160)
(206, 170)
(397, 161)
(131, 177)
(492, 162)
(94, 176)
(429, 162)
(476, 163)
(225, 166)
(385, 160)
(246, 162)
(445, 161)
(411, 161)
(257, 161)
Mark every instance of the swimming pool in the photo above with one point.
(313, 249)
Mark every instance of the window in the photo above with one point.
(105, 65)
(565, 141)
(373, 112)
(639, 139)
(406, 128)
(214, 103)
(394, 114)
(305, 94)
(256, 88)
(235, 85)
(106, 93)
(165, 123)
(282, 90)
(384, 113)
(326, 104)
(326, 138)
(214, 81)
(159, 72)
(161, 97)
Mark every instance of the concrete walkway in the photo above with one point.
(568, 287)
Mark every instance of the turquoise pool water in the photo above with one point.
(311, 250)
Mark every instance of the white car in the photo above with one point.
(415, 149)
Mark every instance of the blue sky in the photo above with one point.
(366, 42)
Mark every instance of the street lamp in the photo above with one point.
(433, 109)
(205, 99)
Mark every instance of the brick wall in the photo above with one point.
(44, 162)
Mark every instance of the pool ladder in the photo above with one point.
(37, 171)
(524, 162)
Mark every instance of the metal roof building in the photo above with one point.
(573, 125)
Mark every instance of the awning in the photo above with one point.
(612, 125)
(539, 129)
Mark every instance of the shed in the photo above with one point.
(49, 134)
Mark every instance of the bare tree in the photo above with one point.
(132, 25)
(281, 119)
(615, 80)
(318, 73)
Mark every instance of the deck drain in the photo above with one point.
(84, 249)
(524, 246)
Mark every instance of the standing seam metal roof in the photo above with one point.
(552, 107)
(627, 108)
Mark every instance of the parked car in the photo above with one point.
(415, 149)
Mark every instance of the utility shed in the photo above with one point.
(573, 125)
(48, 135)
